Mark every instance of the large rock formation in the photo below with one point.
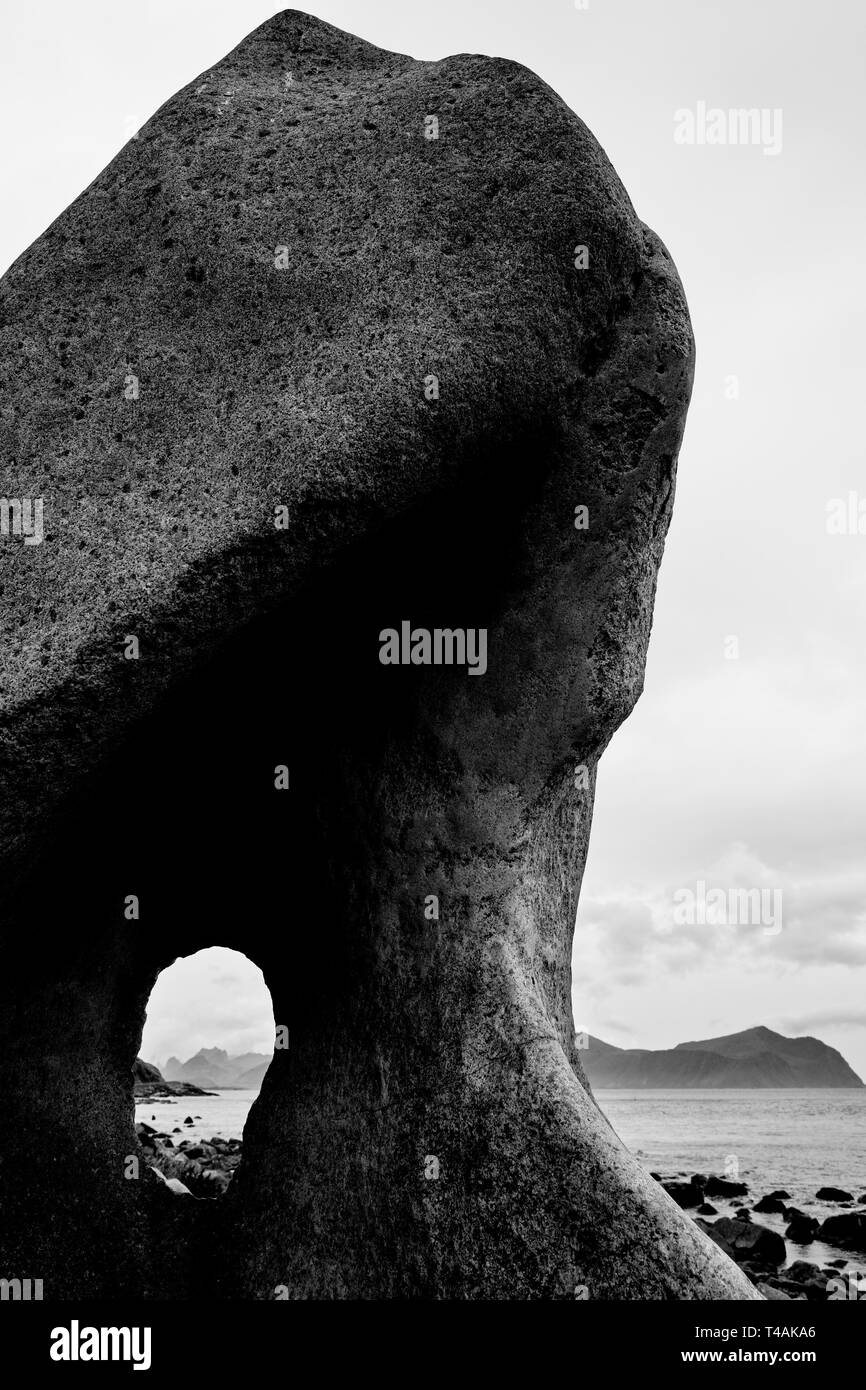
(246, 312)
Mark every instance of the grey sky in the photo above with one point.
(745, 772)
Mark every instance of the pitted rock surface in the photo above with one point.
(238, 322)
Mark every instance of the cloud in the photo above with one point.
(828, 1018)
(214, 998)
(634, 935)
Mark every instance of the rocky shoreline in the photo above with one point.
(721, 1207)
(188, 1167)
(762, 1252)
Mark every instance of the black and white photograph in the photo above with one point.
(432, 682)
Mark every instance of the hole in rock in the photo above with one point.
(207, 1043)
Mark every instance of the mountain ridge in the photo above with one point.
(213, 1067)
(752, 1059)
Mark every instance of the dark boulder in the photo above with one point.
(724, 1187)
(802, 1229)
(833, 1194)
(707, 1209)
(685, 1194)
(770, 1206)
(805, 1272)
(749, 1241)
(847, 1231)
(774, 1294)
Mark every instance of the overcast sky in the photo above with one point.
(740, 772)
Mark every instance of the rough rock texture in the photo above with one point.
(412, 1039)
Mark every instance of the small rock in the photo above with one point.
(758, 1271)
(685, 1194)
(189, 1120)
(833, 1194)
(706, 1209)
(218, 1179)
(802, 1229)
(173, 1184)
(770, 1205)
(781, 1194)
(724, 1187)
(837, 1264)
(179, 1188)
(788, 1286)
(699, 1180)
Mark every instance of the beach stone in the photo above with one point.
(724, 1187)
(758, 1270)
(750, 1241)
(773, 1293)
(805, 1272)
(288, 373)
(707, 1209)
(199, 1151)
(685, 1194)
(217, 1179)
(833, 1194)
(780, 1194)
(801, 1229)
(789, 1287)
(770, 1205)
(179, 1189)
(847, 1231)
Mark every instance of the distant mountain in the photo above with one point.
(148, 1081)
(146, 1072)
(757, 1057)
(214, 1068)
(252, 1080)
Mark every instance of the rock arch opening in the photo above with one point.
(207, 1043)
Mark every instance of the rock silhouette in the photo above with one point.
(292, 371)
